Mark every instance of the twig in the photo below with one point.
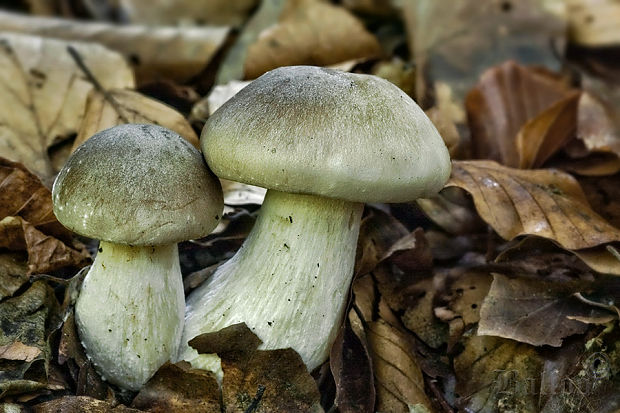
(259, 395)
(79, 61)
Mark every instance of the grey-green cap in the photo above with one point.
(312, 130)
(138, 185)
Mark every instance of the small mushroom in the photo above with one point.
(323, 142)
(139, 189)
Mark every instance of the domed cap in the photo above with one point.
(311, 130)
(137, 185)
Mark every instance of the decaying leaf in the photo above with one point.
(13, 273)
(44, 93)
(118, 106)
(495, 374)
(508, 96)
(534, 312)
(177, 388)
(546, 203)
(596, 127)
(398, 378)
(259, 380)
(176, 53)
(351, 368)
(594, 23)
(310, 32)
(80, 404)
(24, 351)
(453, 211)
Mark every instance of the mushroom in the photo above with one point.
(139, 189)
(323, 142)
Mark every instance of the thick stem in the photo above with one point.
(288, 282)
(130, 311)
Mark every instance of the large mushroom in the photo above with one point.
(139, 189)
(323, 142)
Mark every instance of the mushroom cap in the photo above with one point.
(311, 130)
(137, 185)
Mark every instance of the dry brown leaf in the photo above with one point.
(533, 311)
(596, 164)
(45, 253)
(13, 273)
(398, 378)
(44, 93)
(176, 53)
(546, 203)
(548, 132)
(603, 193)
(594, 23)
(310, 32)
(19, 351)
(598, 124)
(453, 211)
(118, 106)
(177, 388)
(165, 12)
(466, 294)
(506, 97)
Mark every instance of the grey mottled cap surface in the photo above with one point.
(306, 129)
(137, 185)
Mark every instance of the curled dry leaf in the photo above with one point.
(44, 93)
(176, 53)
(547, 203)
(533, 311)
(310, 32)
(177, 388)
(508, 96)
(453, 211)
(594, 23)
(548, 132)
(398, 378)
(116, 107)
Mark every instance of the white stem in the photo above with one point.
(130, 311)
(288, 282)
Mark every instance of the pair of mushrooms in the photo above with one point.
(322, 141)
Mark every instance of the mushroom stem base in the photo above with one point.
(130, 311)
(289, 282)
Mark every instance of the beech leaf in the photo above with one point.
(44, 93)
(547, 203)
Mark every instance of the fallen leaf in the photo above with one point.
(398, 378)
(13, 273)
(309, 32)
(546, 203)
(465, 295)
(45, 92)
(603, 193)
(351, 368)
(419, 317)
(495, 374)
(453, 210)
(544, 135)
(506, 97)
(259, 380)
(596, 126)
(23, 338)
(177, 388)
(45, 253)
(80, 404)
(534, 311)
(453, 43)
(117, 107)
(176, 53)
(164, 13)
(593, 23)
